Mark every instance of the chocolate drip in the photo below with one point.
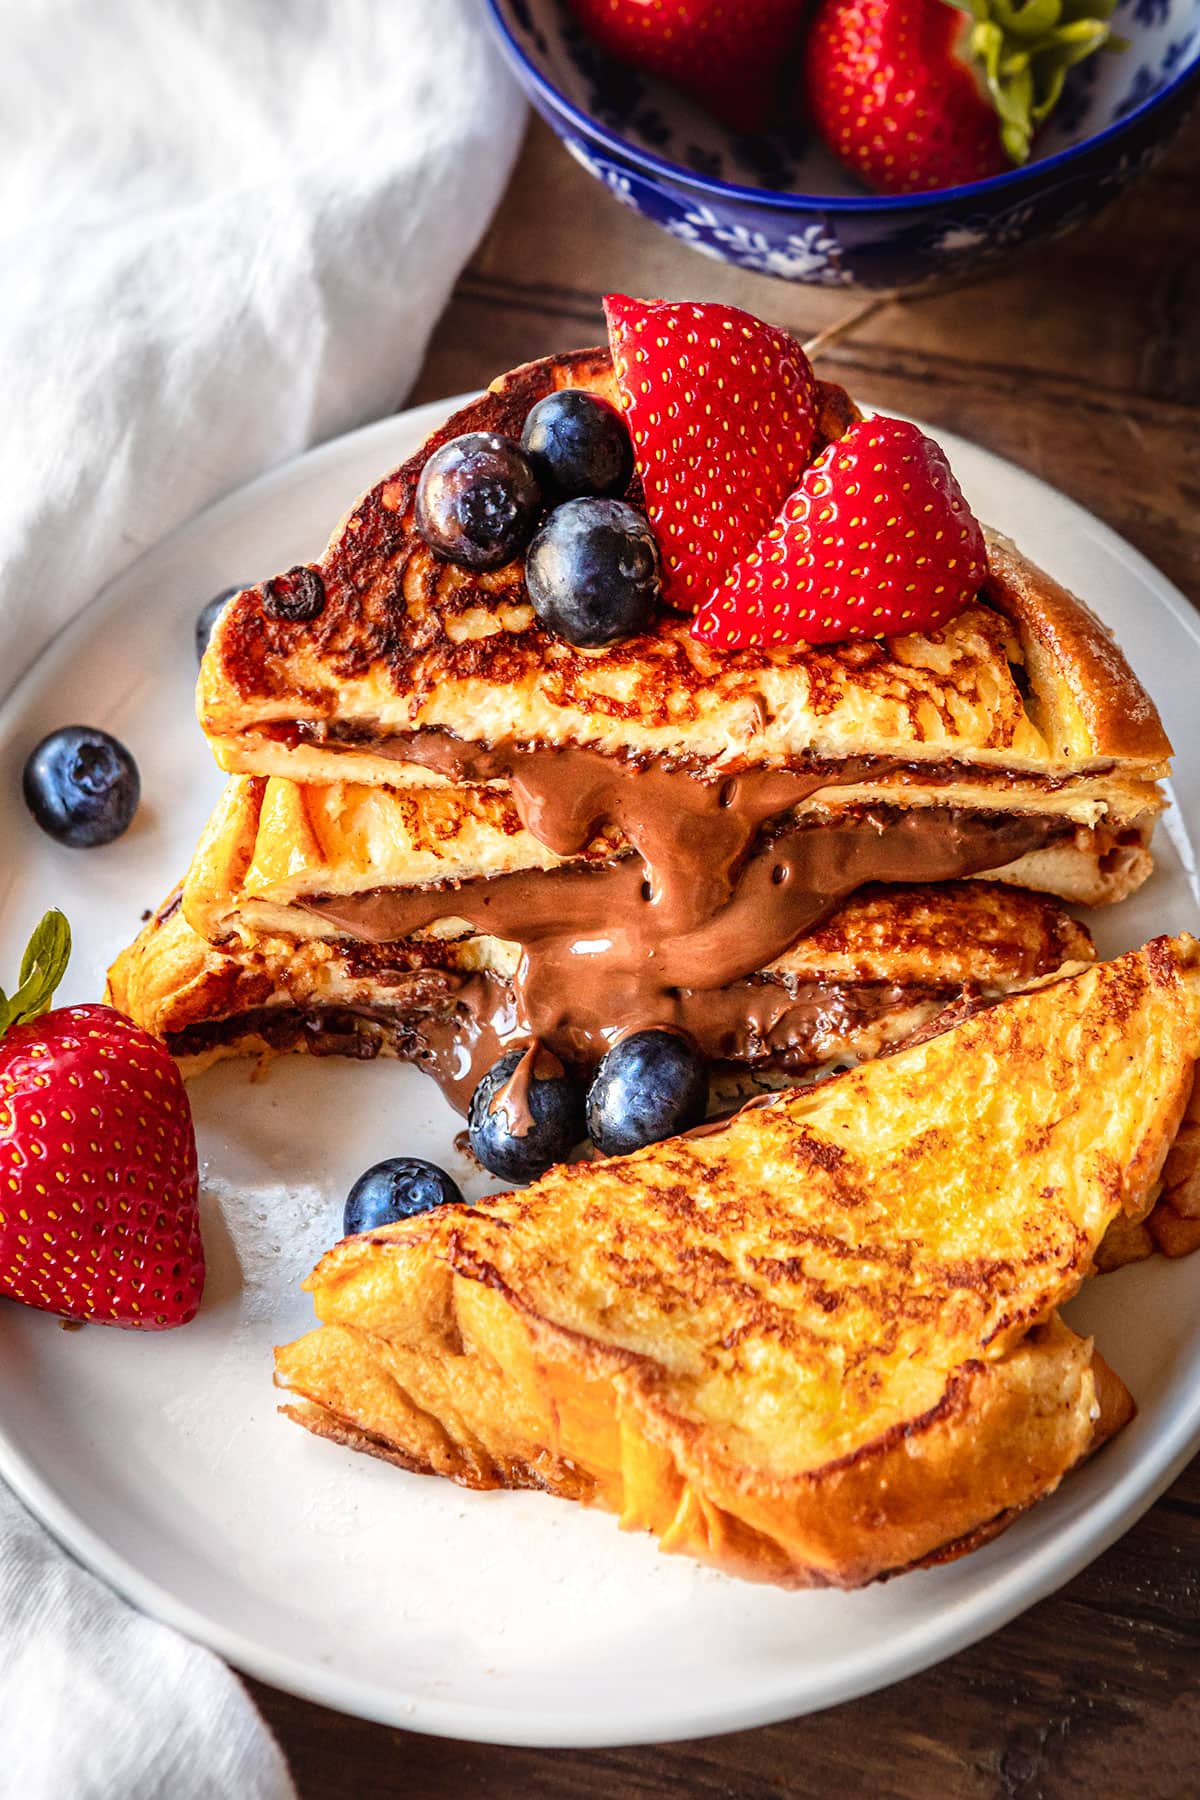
(788, 1025)
(616, 948)
(512, 1097)
(719, 880)
(459, 1046)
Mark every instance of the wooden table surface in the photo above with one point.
(1082, 363)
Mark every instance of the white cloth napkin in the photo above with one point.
(226, 229)
(100, 1703)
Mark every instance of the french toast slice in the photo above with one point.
(409, 657)
(879, 969)
(355, 1000)
(814, 1346)
(345, 859)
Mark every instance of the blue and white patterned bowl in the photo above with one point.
(788, 210)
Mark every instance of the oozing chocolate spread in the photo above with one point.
(512, 1096)
(321, 1030)
(707, 896)
(719, 880)
(782, 1023)
(433, 748)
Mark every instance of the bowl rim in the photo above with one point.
(783, 200)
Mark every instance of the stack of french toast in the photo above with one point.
(503, 779)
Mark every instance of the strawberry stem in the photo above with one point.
(1024, 52)
(42, 968)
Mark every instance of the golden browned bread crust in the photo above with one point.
(1080, 677)
(406, 642)
(169, 974)
(816, 1346)
(1174, 1225)
(269, 843)
(974, 932)
(847, 1523)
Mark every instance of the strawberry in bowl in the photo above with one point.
(727, 57)
(770, 187)
(922, 94)
(99, 1214)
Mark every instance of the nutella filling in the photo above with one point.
(512, 1097)
(631, 944)
(720, 879)
(432, 748)
(784, 1024)
(358, 1032)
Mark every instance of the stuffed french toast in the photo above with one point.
(538, 713)
(663, 719)
(880, 968)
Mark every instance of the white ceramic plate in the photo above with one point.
(511, 1618)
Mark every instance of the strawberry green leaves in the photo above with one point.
(916, 95)
(1025, 53)
(42, 968)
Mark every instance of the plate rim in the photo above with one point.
(907, 1651)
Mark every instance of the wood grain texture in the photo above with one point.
(1081, 362)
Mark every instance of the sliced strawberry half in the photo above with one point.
(876, 541)
(723, 413)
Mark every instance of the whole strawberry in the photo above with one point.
(722, 410)
(727, 54)
(920, 94)
(98, 1184)
(877, 541)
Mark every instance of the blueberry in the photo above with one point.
(82, 786)
(297, 597)
(518, 1127)
(399, 1188)
(649, 1086)
(578, 444)
(208, 617)
(478, 500)
(593, 572)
